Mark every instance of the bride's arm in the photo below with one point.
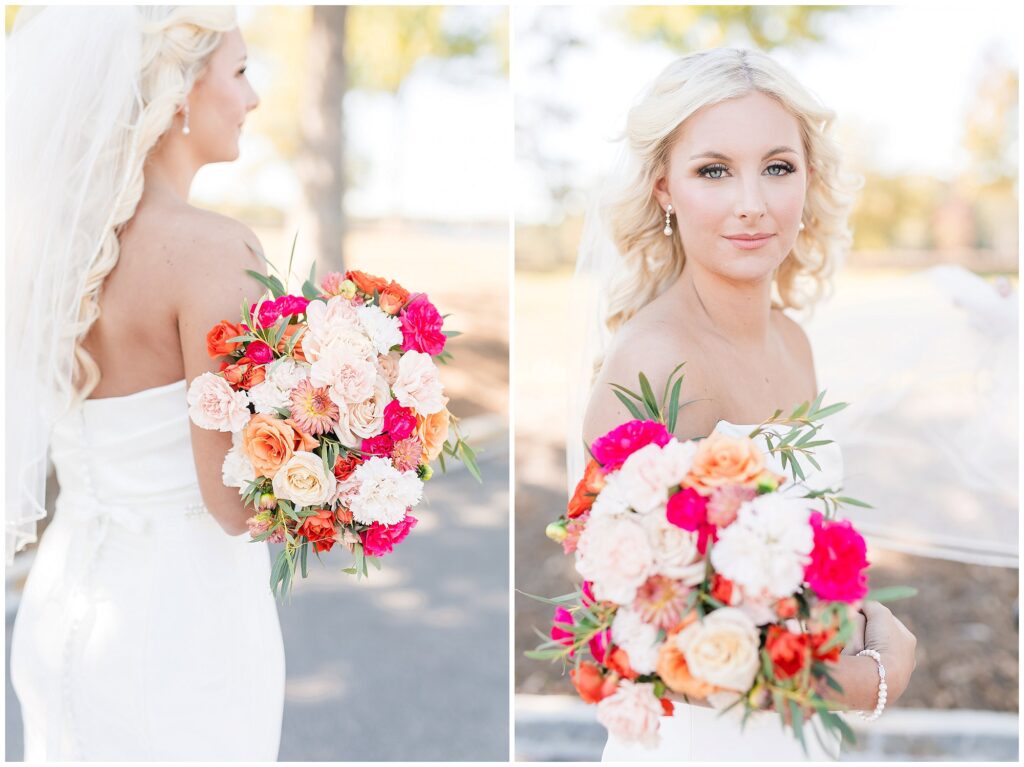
(211, 286)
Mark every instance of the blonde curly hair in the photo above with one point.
(651, 262)
(177, 43)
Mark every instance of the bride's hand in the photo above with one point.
(894, 642)
(856, 643)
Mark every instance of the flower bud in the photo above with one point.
(268, 502)
(556, 531)
(767, 482)
(347, 289)
(425, 472)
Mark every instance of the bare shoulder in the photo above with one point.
(651, 344)
(795, 339)
(211, 241)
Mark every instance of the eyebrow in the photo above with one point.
(720, 156)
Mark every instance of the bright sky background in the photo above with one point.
(900, 79)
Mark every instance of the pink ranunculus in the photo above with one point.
(421, 327)
(838, 560)
(380, 539)
(399, 421)
(612, 450)
(599, 645)
(331, 283)
(560, 634)
(292, 305)
(381, 445)
(269, 313)
(259, 353)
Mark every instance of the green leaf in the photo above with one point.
(799, 412)
(624, 390)
(305, 552)
(451, 333)
(673, 406)
(468, 458)
(271, 283)
(632, 408)
(891, 593)
(349, 570)
(291, 259)
(830, 410)
(649, 401)
(829, 718)
(853, 502)
(797, 717)
(310, 290)
(556, 601)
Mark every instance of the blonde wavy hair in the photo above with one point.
(177, 43)
(650, 261)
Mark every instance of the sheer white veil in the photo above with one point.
(73, 101)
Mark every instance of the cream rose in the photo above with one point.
(675, 550)
(303, 480)
(364, 419)
(213, 405)
(632, 713)
(417, 385)
(722, 649)
(389, 366)
(613, 553)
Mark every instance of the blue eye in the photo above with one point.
(709, 169)
(780, 166)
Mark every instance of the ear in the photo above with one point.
(661, 193)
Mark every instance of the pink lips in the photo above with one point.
(749, 241)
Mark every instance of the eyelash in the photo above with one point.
(241, 71)
(789, 168)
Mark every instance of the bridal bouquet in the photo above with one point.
(705, 574)
(336, 411)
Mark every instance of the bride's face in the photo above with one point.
(737, 168)
(220, 100)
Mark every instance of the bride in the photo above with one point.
(730, 188)
(146, 630)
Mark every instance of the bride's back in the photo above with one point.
(171, 254)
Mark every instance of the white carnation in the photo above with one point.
(632, 714)
(637, 638)
(385, 493)
(237, 470)
(647, 474)
(766, 548)
(612, 500)
(283, 375)
(384, 330)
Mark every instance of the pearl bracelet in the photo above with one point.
(883, 688)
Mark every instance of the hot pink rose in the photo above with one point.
(838, 560)
(688, 510)
(259, 352)
(380, 539)
(421, 327)
(399, 421)
(612, 450)
(560, 634)
(381, 445)
(291, 305)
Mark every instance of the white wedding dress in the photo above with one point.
(696, 733)
(145, 632)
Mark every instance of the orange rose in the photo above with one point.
(819, 639)
(244, 374)
(217, 343)
(721, 589)
(344, 516)
(590, 684)
(393, 298)
(367, 283)
(724, 460)
(432, 431)
(589, 486)
(303, 440)
(618, 661)
(268, 442)
(297, 349)
(788, 651)
(343, 467)
(674, 672)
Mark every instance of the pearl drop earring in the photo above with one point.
(668, 221)
(185, 129)
(801, 226)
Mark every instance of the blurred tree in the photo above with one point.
(695, 27)
(332, 49)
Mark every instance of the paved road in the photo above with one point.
(412, 664)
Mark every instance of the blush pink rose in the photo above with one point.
(380, 539)
(421, 327)
(633, 713)
(214, 405)
(838, 560)
(612, 450)
(399, 421)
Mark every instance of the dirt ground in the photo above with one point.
(964, 616)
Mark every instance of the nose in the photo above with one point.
(254, 101)
(750, 204)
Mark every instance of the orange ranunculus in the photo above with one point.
(618, 661)
(319, 529)
(721, 589)
(269, 443)
(674, 672)
(819, 639)
(367, 283)
(244, 374)
(432, 431)
(591, 685)
(393, 298)
(297, 349)
(343, 467)
(587, 488)
(724, 460)
(787, 608)
(304, 441)
(217, 343)
(789, 652)
(344, 516)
